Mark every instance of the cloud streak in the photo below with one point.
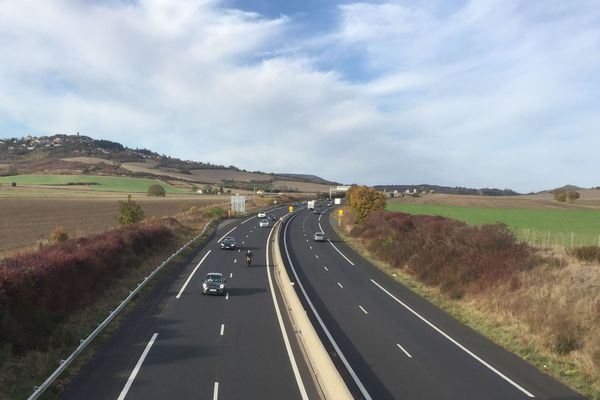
(475, 93)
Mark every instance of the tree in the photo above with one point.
(572, 196)
(560, 195)
(207, 189)
(58, 235)
(14, 184)
(363, 201)
(156, 190)
(129, 212)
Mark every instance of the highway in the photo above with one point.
(177, 343)
(389, 343)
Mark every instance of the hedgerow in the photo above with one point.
(39, 290)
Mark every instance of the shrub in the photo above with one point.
(215, 212)
(129, 212)
(14, 184)
(586, 253)
(58, 235)
(364, 201)
(156, 190)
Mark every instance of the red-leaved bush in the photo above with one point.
(444, 252)
(40, 289)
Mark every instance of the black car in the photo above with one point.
(214, 283)
(271, 217)
(228, 242)
(316, 211)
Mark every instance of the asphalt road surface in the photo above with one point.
(390, 343)
(180, 344)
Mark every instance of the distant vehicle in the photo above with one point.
(271, 217)
(214, 283)
(261, 214)
(319, 237)
(310, 205)
(338, 200)
(264, 223)
(316, 211)
(329, 203)
(228, 242)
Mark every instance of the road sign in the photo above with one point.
(238, 204)
(340, 212)
(290, 209)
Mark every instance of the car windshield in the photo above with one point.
(214, 278)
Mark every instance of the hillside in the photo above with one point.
(83, 155)
(446, 190)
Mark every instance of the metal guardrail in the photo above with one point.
(39, 390)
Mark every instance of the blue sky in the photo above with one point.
(497, 93)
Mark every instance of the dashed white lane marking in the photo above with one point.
(342, 254)
(326, 269)
(402, 348)
(469, 352)
(234, 261)
(246, 235)
(222, 329)
(310, 247)
(216, 388)
(363, 310)
(192, 274)
(218, 241)
(316, 255)
(239, 250)
(231, 275)
(137, 367)
(340, 285)
(227, 296)
(243, 242)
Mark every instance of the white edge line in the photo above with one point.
(404, 350)
(469, 352)
(233, 229)
(137, 367)
(216, 391)
(248, 220)
(192, 274)
(286, 340)
(338, 250)
(337, 349)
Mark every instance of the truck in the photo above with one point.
(338, 200)
(310, 205)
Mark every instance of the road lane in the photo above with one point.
(436, 367)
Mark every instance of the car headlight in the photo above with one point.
(204, 286)
(221, 286)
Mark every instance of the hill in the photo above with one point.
(83, 155)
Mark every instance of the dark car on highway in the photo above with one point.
(214, 283)
(228, 242)
(271, 217)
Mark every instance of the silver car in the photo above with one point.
(319, 237)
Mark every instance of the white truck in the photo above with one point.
(310, 205)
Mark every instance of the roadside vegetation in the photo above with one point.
(543, 304)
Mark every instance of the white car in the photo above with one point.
(264, 223)
(261, 214)
(319, 237)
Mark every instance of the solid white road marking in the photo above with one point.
(286, 340)
(247, 220)
(218, 241)
(192, 274)
(469, 352)
(340, 285)
(320, 215)
(363, 310)
(342, 254)
(222, 329)
(216, 388)
(361, 387)
(402, 348)
(137, 368)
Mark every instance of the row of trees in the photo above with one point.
(563, 196)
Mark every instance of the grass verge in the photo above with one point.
(510, 333)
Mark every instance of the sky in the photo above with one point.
(475, 93)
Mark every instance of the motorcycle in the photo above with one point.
(248, 260)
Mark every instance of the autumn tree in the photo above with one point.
(129, 212)
(572, 196)
(363, 201)
(560, 195)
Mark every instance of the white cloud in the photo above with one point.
(476, 94)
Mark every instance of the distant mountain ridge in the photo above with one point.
(447, 190)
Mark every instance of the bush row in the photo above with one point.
(38, 290)
(586, 253)
(446, 253)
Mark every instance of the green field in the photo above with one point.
(102, 183)
(538, 227)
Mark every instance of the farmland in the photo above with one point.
(541, 226)
(92, 183)
(27, 221)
